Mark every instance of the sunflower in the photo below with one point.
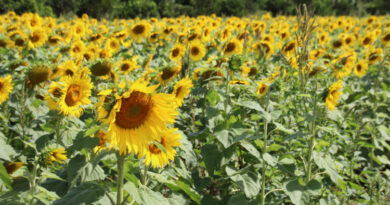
(53, 95)
(37, 38)
(367, 40)
(342, 66)
(289, 48)
(139, 116)
(75, 94)
(77, 48)
(262, 89)
(68, 68)
(128, 65)
(11, 167)
(197, 50)
(54, 40)
(103, 140)
(140, 30)
(38, 74)
(167, 74)
(374, 55)
(263, 48)
(385, 39)
(177, 52)
(238, 82)
(103, 68)
(159, 158)
(333, 95)
(337, 44)
(56, 155)
(113, 45)
(182, 89)
(234, 46)
(5, 88)
(361, 69)
(153, 37)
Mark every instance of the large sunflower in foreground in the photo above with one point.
(159, 158)
(5, 88)
(182, 89)
(333, 95)
(139, 116)
(75, 94)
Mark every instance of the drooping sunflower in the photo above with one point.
(38, 74)
(140, 30)
(103, 140)
(168, 73)
(5, 88)
(233, 46)
(333, 95)
(177, 52)
(11, 167)
(53, 95)
(262, 89)
(158, 158)
(374, 55)
(139, 116)
(361, 68)
(238, 82)
(385, 39)
(54, 40)
(182, 89)
(56, 155)
(289, 48)
(75, 94)
(197, 50)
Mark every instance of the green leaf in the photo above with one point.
(86, 193)
(46, 196)
(283, 129)
(4, 176)
(251, 149)
(385, 132)
(270, 159)
(83, 141)
(131, 189)
(150, 197)
(324, 161)
(249, 183)
(224, 137)
(241, 200)
(211, 157)
(213, 97)
(49, 175)
(299, 193)
(6, 152)
(255, 106)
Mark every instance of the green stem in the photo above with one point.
(33, 183)
(145, 176)
(264, 168)
(119, 183)
(312, 135)
(263, 178)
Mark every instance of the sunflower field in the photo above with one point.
(195, 110)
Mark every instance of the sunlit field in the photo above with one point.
(205, 110)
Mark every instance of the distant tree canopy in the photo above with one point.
(174, 8)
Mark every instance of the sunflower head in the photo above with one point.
(182, 89)
(5, 88)
(262, 89)
(56, 155)
(168, 73)
(140, 30)
(334, 94)
(38, 74)
(103, 68)
(233, 46)
(197, 51)
(11, 167)
(361, 69)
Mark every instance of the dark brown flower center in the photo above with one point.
(366, 41)
(139, 29)
(175, 52)
(125, 67)
(337, 44)
(73, 95)
(195, 51)
(134, 110)
(230, 47)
